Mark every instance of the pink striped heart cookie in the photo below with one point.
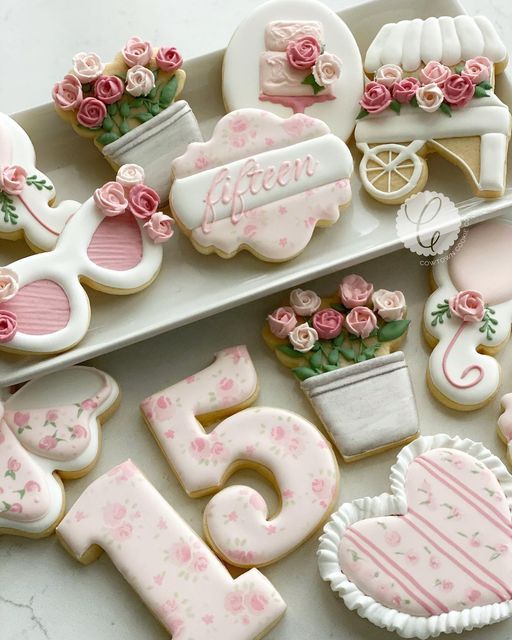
(435, 555)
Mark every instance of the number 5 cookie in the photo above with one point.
(467, 319)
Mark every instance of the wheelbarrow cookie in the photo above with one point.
(432, 90)
(433, 556)
(261, 183)
(49, 431)
(113, 243)
(295, 56)
(467, 318)
(26, 195)
(340, 348)
(128, 108)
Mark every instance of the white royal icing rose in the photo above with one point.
(139, 81)
(429, 97)
(8, 284)
(304, 303)
(87, 66)
(303, 337)
(388, 74)
(130, 175)
(327, 69)
(390, 305)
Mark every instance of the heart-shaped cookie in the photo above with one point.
(435, 555)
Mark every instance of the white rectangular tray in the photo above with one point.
(192, 286)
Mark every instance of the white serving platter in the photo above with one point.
(192, 286)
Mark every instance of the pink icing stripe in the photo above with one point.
(398, 568)
(377, 563)
(473, 493)
(466, 499)
(36, 218)
(297, 103)
(458, 564)
(471, 367)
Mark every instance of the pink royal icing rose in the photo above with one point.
(13, 179)
(13, 465)
(429, 97)
(32, 487)
(139, 81)
(168, 59)
(113, 513)
(234, 602)
(388, 74)
(137, 51)
(108, 89)
(181, 553)
(477, 69)
(67, 94)
(47, 443)
(328, 323)
(390, 305)
(9, 284)
(303, 53)
(8, 326)
(327, 69)
(304, 303)
(468, 306)
(361, 321)
(111, 199)
(434, 72)
(256, 602)
(79, 431)
(91, 113)
(130, 175)
(143, 201)
(404, 90)
(16, 508)
(303, 338)
(376, 97)
(282, 321)
(159, 227)
(200, 563)
(87, 66)
(355, 291)
(458, 90)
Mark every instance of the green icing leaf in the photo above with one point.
(86, 87)
(316, 360)
(485, 85)
(414, 101)
(348, 354)
(310, 80)
(330, 367)
(108, 124)
(112, 109)
(137, 102)
(144, 117)
(39, 184)
(338, 307)
(124, 127)
(302, 373)
(155, 109)
(168, 92)
(393, 330)
(289, 351)
(480, 92)
(107, 137)
(339, 340)
(333, 356)
(152, 93)
(8, 208)
(124, 109)
(459, 69)
(445, 108)
(396, 106)
(362, 114)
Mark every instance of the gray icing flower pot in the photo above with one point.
(154, 144)
(367, 406)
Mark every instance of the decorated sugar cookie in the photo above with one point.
(340, 348)
(174, 572)
(285, 448)
(113, 243)
(433, 556)
(295, 56)
(26, 194)
(467, 318)
(261, 183)
(127, 107)
(49, 430)
(432, 90)
(505, 423)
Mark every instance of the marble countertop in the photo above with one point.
(44, 593)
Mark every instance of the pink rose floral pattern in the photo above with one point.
(237, 519)
(167, 564)
(450, 551)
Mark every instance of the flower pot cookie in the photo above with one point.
(128, 108)
(340, 348)
(432, 90)
(433, 555)
(295, 56)
(261, 183)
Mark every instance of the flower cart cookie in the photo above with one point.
(340, 348)
(467, 318)
(128, 108)
(261, 183)
(113, 243)
(295, 56)
(49, 431)
(170, 567)
(433, 556)
(282, 446)
(26, 194)
(433, 91)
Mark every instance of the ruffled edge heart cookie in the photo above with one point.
(395, 503)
